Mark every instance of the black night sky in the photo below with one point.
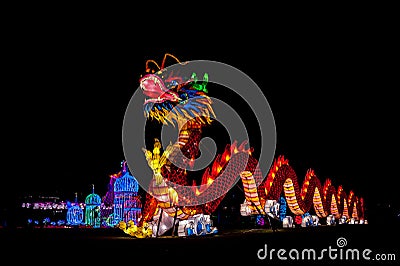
(331, 93)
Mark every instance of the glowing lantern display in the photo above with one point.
(306, 220)
(315, 220)
(282, 208)
(92, 210)
(272, 208)
(298, 219)
(262, 195)
(112, 220)
(287, 222)
(127, 203)
(330, 220)
(343, 220)
(74, 213)
(260, 220)
(197, 225)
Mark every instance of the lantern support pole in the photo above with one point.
(159, 221)
(174, 224)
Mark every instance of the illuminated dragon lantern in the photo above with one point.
(172, 99)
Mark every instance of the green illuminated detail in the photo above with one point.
(200, 86)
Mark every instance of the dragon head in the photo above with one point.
(171, 97)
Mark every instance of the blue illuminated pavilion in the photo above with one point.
(92, 210)
(75, 213)
(127, 204)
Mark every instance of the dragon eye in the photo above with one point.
(184, 96)
(174, 83)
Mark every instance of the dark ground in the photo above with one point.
(100, 246)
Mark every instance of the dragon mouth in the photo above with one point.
(155, 90)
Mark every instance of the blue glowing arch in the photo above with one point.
(92, 210)
(75, 215)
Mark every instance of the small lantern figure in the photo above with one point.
(75, 213)
(282, 209)
(127, 204)
(92, 210)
